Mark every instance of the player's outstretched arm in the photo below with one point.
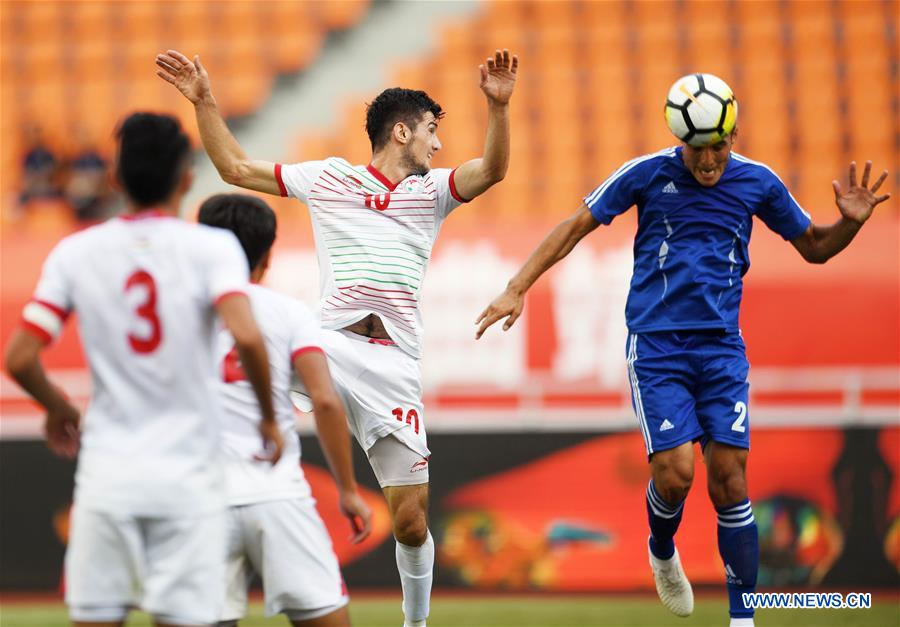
(331, 427)
(23, 364)
(819, 243)
(556, 246)
(192, 80)
(498, 79)
(237, 316)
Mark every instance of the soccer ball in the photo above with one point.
(701, 109)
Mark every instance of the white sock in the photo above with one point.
(416, 565)
(741, 622)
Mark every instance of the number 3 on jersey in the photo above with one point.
(146, 311)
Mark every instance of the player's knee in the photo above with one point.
(727, 485)
(410, 527)
(673, 480)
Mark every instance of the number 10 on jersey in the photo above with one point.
(412, 417)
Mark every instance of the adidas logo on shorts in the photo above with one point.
(666, 425)
(670, 188)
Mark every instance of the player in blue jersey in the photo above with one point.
(685, 355)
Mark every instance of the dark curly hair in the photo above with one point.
(250, 218)
(153, 152)
(397, 105)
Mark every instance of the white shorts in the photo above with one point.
(172, 568)
(286, 543)
(381, 386)
(395, 464)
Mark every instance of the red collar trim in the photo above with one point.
(143, 215)
(382, 178)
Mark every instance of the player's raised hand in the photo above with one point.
(61, 426)
(189, 77)
(858, 200)
(358, 513)
(508, 305)
(273, 442)
(498, 76)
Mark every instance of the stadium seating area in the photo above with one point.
(816, 81)
(72, 68)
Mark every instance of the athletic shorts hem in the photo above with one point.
(669, 445)
(98, 613)
(725, 440)
(397, 483)
(300, 614)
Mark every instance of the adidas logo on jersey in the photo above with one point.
(666, 425)
(670, 188)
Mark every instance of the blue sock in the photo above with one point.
(739, 548)
(664, 520)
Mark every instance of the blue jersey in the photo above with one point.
(690, 251)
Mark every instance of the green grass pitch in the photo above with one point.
(525, 611)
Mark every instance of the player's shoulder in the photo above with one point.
(209, 237)
(88, 239)
(757, 169)
(639, 166)
(668, 155)
(266, 294)
(287, 309)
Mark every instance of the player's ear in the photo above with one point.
(113, 177)
(262, 265)
(401, 132)
(187, 181)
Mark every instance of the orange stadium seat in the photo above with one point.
(84, 64)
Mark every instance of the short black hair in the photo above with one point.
(397, 105)
(248, 217)
(153, 152)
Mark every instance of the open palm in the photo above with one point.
(189, 77)
(498, 76)
(857, 201)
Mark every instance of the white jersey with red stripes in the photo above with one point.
(373, 240)
(289, 329)
(144, 289)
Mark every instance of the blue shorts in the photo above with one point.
(688, 386)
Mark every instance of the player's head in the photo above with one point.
(707, 163)
(406, 120)
(250, 219)
(154, 159)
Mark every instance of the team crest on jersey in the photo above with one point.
(414, 185)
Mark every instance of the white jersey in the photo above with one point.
(144, 288)
(289, 329)
(373, 240)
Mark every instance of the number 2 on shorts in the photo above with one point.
(740, 408)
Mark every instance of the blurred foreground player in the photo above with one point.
(274, 529)
(148, 524)
(686, 358)
(374, 228)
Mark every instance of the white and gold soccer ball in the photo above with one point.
(701, 109)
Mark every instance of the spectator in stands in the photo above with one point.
(40, 168)
(87, 185)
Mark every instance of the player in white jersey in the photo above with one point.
(375, 226)
(148, 525)
(273, 526)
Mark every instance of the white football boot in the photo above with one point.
(672, 584)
